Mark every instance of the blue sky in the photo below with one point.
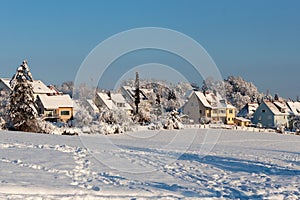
(258, 40)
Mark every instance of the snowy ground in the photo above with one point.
(150, 165)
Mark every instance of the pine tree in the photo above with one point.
(22, 109)
(137, 93)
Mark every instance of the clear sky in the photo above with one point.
(256, 39)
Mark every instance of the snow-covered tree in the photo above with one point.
(4, 101)
(22, 108)
(172, 121)
(240, 92)
(115, 121)
(66, 88)
(215, 86)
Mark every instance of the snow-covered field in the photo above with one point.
(192, 163)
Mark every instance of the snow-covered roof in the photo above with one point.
(92, 105)
(6, 82)
(116, 97)
(216, 100)
(131, 92)
(112, 101)
(252, 107)
(295, 107)
(202, 98)
(146, 91)
(243, 119)
(248, 110)
(38, 86)
(106, 100)
(277, 108)
(230, 106)
(56, 101)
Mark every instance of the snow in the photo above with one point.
(106, 100)
(295, 107)
(193, 163)
(243, 119)
(38, 86)
(203, 99)
(57, 101)
(275, 110)
(92, 105)
(119, 99)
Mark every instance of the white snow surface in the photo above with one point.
(172, 164)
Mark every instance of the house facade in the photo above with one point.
(230, 114)
(272, 114)
(197, 108)
(55, 108)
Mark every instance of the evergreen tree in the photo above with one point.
(22, 108)
(171, 95)
(276, 97)
(137, 93)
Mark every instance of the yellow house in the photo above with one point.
(240, 121)
(55, 108)
(230, 114)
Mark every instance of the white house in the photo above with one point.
(272, 114)
(112, 101)
(295, 114)
(197, 107)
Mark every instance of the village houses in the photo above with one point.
(51, 104)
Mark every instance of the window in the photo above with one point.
(215, 111)
(200, 111)
(263, 111)
(230, 111)
(121, 105)
(222, 111)
(64, 112)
